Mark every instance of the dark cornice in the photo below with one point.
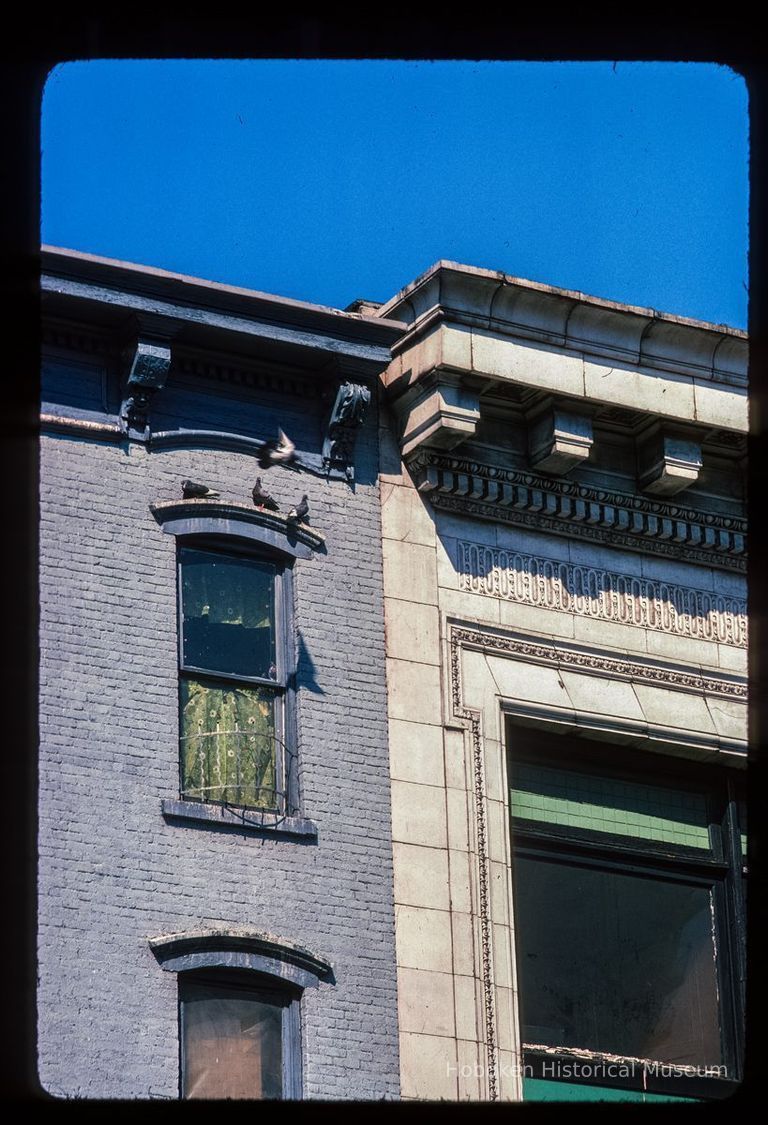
(187, 309)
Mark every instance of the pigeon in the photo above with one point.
(262, 499)
(280, 452)
(190, 490)
(300, 514)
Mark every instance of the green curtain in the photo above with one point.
(228, 749)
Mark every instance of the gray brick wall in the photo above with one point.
(112, 871)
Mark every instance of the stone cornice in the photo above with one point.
(494, 302)
(564, 507)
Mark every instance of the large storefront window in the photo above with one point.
(629, 920)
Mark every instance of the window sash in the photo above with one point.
(212, 757)
(527, 833)
(728, 948)
(648, 878)
(279, 623)
(281, 687)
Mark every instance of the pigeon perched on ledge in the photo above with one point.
(262, 499)
(190, 490)
(300, 514)
(279, 452)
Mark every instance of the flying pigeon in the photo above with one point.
(300, 514)
(190, 490)
(262, 499)
(280, 452)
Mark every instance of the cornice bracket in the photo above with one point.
(347, 416)
(150, 362)
(440, 411)
(667, 463)
(558, 440)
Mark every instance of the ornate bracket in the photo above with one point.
(150, 362)
(349, 407)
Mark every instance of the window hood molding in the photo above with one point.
(218, 517)
(242, 949)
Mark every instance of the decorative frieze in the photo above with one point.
(608, 595)
(563, 507)
(70, 338)
(273, 376)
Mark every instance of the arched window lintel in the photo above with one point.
(261, 953)
(238, 521)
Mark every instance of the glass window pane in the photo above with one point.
(228, 748)
(604, 804)
(232, 1043)
(228, 614)
(616, 962)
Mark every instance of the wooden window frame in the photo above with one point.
(261, 987)
(284, 684)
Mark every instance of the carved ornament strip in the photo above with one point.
(583, 660)
(566, 508)
(606, 595)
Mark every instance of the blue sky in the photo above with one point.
(329, 180)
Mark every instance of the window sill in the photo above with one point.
(250, 819)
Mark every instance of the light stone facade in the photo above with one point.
(572, 599)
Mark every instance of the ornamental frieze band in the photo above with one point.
(607, 595)
(569, 508)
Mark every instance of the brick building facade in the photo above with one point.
(150, 379)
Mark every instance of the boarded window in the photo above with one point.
(232, 1041)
